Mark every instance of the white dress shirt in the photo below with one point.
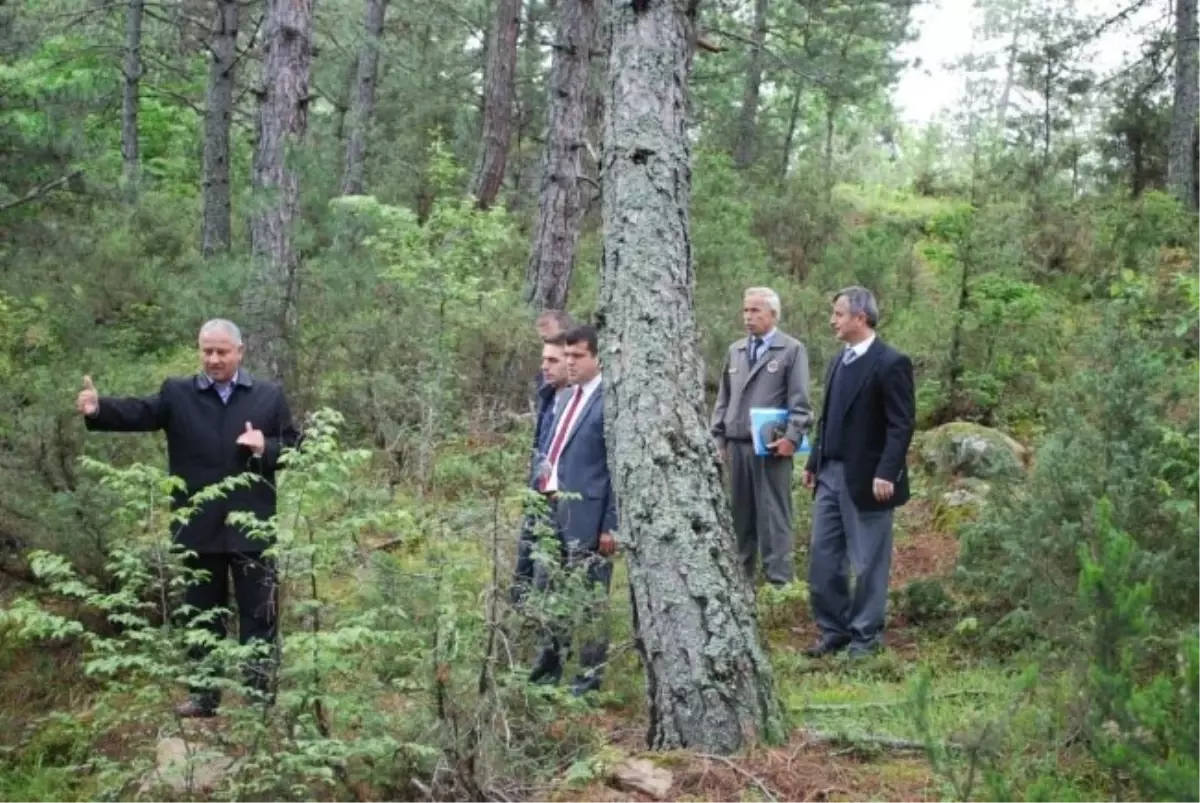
(589, 388)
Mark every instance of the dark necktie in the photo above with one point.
(752, 352)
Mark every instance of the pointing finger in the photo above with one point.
(249, 427)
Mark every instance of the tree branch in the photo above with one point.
(38, 192)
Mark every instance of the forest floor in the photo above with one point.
(856, 736)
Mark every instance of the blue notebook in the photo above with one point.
(769, 424)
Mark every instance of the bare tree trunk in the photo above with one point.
(707, 678)
(362, 109)
(1010, 69)
(132, 68)
(218, 118)
(745, 149)
(500, 77)
(560, 199)
(1182, 167)
(793, 122)
(270, 307)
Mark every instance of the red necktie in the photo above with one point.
(557, 445)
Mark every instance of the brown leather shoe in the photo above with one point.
(196, 706)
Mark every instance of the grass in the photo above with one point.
(41, 757)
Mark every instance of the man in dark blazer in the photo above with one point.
(577, 464)
(857, 470)
(550, 397)
(219, 423)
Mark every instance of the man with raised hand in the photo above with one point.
(219, 423)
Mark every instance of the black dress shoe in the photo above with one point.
(197, 706)
(826, 647)
(547, 670)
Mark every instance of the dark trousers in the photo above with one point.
(596, 569)
(842, 534)
(256, 591)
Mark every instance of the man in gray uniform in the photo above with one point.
(765, 369)
(857, 472)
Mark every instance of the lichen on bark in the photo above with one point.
(708, 679)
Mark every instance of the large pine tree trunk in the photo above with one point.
(746, 147)
(708, 679)
(1182, 167)
(269, 306)
(362, 103)
(499, 84)
(560, 199)
(132, 68)
(218, 119)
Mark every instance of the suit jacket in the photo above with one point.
(778, 379)
(583, 470)
(878, 427)
(202, 449)
(543, 428)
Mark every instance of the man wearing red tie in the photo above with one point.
(577, 464)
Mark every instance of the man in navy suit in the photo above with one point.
(857, 472)
(550, 396)
(577, 464)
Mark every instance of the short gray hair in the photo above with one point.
(221, 325)
(861, 302)
(770, 295)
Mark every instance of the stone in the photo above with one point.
(640, 775)
(961, 449)
(171, 768)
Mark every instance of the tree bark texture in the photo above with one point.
(218, 119)
(362, 102)
(560, 197)
(499, 84)
(707, 678)
(270, 308)
(132, 69)
(746, 147)
(1183, 171)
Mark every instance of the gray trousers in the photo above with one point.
(841, 530)
(760, 494)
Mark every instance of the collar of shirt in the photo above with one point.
(204, 381)
(861, 348)
(589, 388)
(766, 339)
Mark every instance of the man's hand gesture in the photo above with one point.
(88, 400)
(253, 440)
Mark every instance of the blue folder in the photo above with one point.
(769, 424)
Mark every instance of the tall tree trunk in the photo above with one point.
(132, 68)
(218, 118)
(708, 680)
(1183, 172)
(499, 84)
(270, 307)
(1010, 69)
(793, 122)
(362, 104)
(746, 147)
(560, 199)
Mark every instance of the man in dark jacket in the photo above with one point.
(549, 401)
(219, 423)
(857, 471)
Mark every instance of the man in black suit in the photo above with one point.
(219, 423)
(857, 471)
